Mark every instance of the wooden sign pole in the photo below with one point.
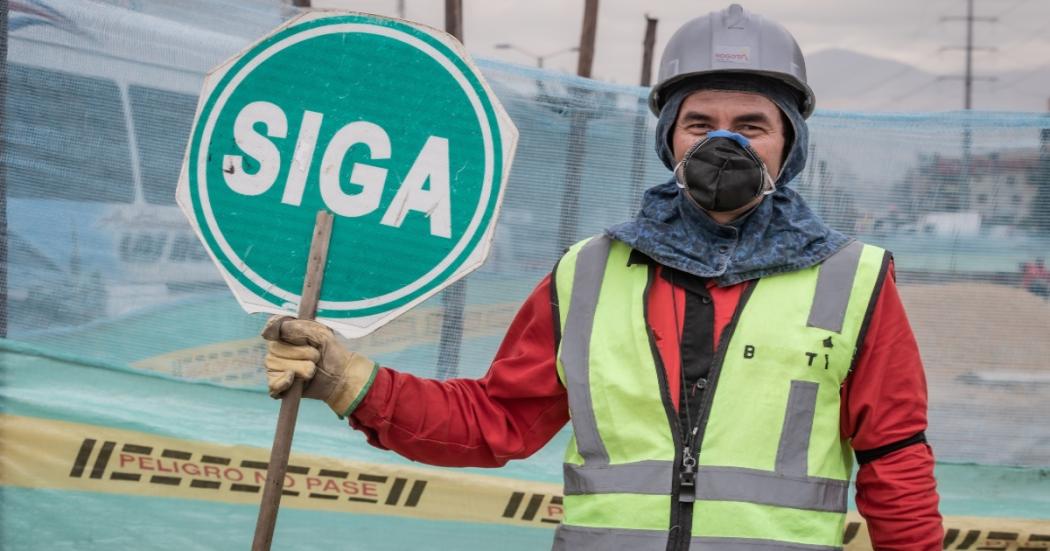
(282, 438)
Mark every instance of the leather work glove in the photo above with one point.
(309, 350)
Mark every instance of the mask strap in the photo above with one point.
(769, 186)
(679, 171)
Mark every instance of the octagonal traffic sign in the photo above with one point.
(385, 123)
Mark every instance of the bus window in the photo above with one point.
(187, 248)
(142, 247)
(64, 137)
(162, 122)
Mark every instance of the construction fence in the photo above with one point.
(134, 412)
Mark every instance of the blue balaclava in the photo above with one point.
(782, 95)
(781, 234)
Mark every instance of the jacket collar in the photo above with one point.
(780, 235)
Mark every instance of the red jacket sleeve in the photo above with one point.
(884, 402)
(516, 408)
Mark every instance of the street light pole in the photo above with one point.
(638, 183)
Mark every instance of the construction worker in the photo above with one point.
(723, 357)
(1035, 278)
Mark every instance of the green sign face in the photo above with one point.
(385, 124)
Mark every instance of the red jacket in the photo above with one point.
(520, 404)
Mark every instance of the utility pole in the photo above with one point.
(3, 172)
(963, 197)
(401, 9)
(640, 151)
(647, 50)
(454, 297)
(968, 77)
(454, 18)
(587, 37)
(301, 3)
(577, 149)
(969, 56)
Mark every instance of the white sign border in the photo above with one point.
(484, 123)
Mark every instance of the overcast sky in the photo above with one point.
(910, 31)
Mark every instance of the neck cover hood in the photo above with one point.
(779, 235)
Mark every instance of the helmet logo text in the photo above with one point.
(733, 54)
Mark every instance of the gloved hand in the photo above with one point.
(309, 350)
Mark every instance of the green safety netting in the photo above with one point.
(126, 356)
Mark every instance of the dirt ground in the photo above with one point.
(975, 326)
(986, 349)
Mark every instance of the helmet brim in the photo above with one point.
(659, 94)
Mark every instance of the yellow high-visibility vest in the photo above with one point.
(767, 468)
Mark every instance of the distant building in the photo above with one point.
(1001, 187)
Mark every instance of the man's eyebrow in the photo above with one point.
(752, 117)
(697, 116)
(694, 116)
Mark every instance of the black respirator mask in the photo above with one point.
(722, 172)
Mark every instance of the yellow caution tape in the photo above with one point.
(43, 453)
(973, 533)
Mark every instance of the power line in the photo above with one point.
(1040, 32)
(1012, 8)
(1027, 74)
(1024, 76)
(879, 82)
(884, 81)
(968, 76)
(909, 93)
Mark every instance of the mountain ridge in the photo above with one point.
(882, 84)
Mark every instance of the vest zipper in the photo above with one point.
(684, 488)
(687, 475)
(690, 453)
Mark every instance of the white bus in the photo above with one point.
(101, 98)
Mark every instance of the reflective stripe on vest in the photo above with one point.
(779, 492)
(578, 538)
(834, 285)
(575, 353)
(712, 483)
